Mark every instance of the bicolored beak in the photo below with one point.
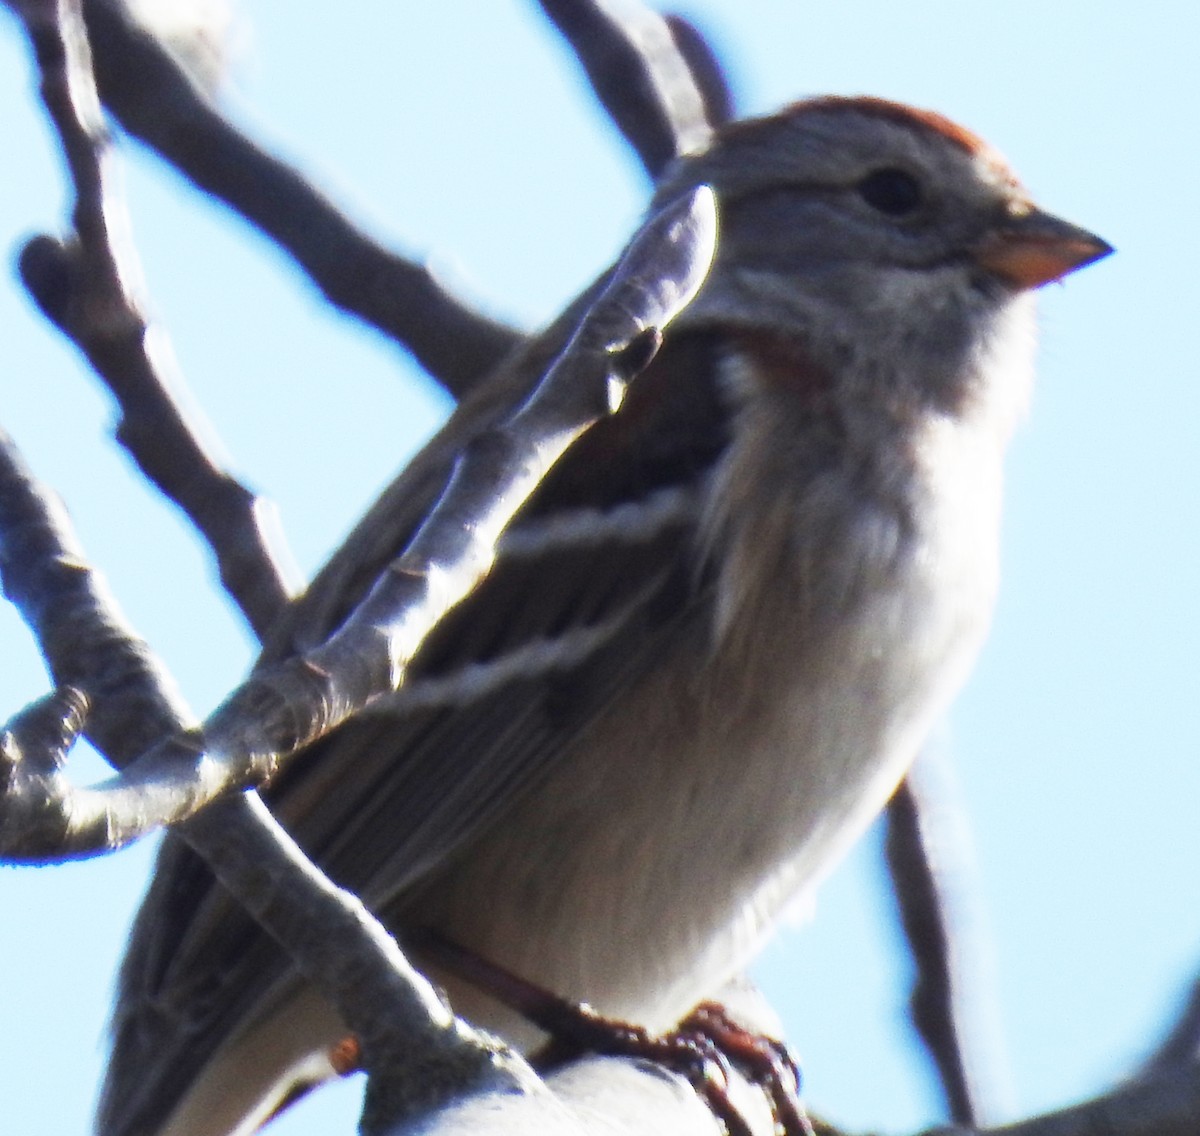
(1032, 248)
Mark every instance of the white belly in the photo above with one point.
(645, 872)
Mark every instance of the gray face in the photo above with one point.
(851, 226)
(865, 179)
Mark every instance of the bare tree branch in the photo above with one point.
(1161, 1106)
(155, 100)
(43, 733)
(617, 337)
(83, 286)
(606, 1095)
(636, 1100)
(33, 749)
(1181, 1047)
(280, 710)
(86, 641)
(342, 949)
(915, 863)
(664, 93)
(132, 702)
(594, 1096)
(707, 71)
(417, 1054)
(657, 276)
(639, 74)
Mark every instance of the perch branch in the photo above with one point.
(634, 1100)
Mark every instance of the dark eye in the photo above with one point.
(894, 192)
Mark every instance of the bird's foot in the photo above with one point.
(706, 1047)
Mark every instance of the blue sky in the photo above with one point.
(462, 131)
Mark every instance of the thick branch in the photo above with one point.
(154, 100)
(639, 74)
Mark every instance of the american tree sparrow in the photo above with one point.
(711, 644)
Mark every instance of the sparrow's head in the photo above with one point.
(858, 225)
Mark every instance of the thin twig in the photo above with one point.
(83, 285)
(153, 98)
(87, 644)
(707, 70)
(41, 735)
(639, 74)
(34, 744)
(913, 855)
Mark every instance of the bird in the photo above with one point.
(710, 646)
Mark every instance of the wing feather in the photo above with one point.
(595, 573)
